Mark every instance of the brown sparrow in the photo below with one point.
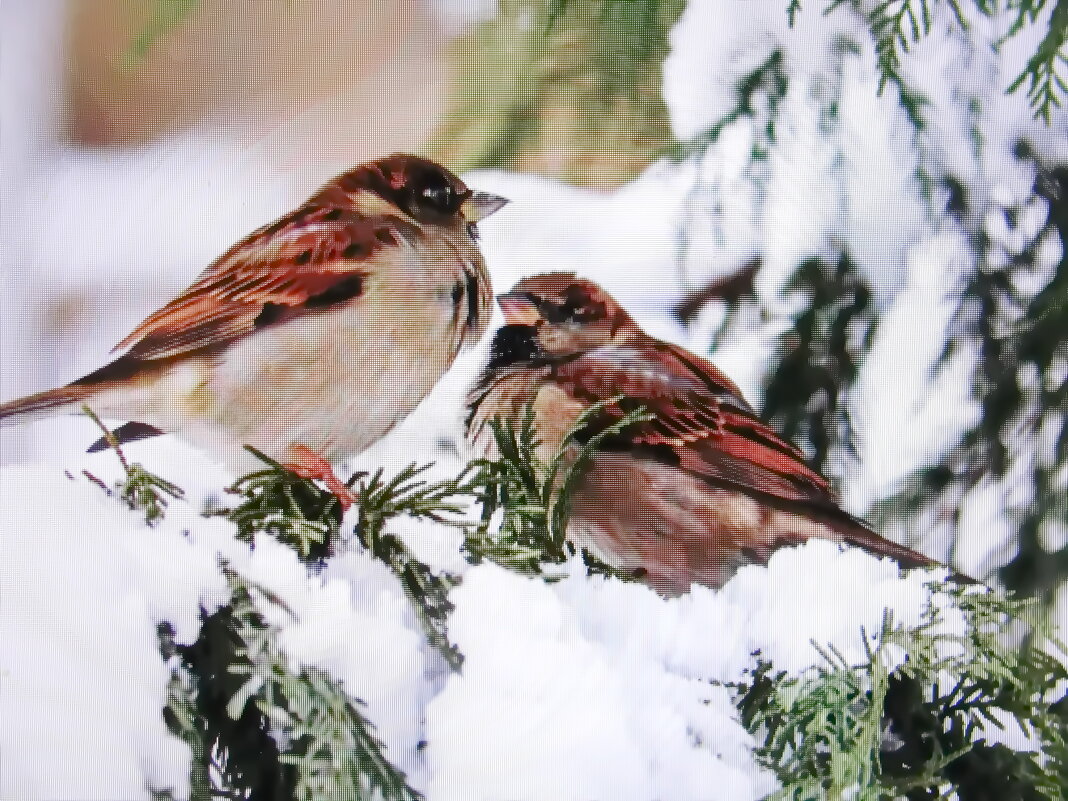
(688, 496)
(312, 337)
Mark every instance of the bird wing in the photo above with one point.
(310, 259)
(700, 421)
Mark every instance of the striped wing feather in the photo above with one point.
(701, 423)
(308, 259)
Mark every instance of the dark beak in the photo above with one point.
(519, 308)
(481, 205)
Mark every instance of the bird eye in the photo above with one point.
(557, 313)
(440, 197)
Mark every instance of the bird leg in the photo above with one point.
(306, 463)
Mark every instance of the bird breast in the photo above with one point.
(334, 380)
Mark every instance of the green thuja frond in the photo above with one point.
(307, 518)
(1046, 72)
(283, 732)
(182, 719)
(140, 489)
(906, 721)
(514, 488)
(439, 501)
(532, 498)
(758, 92)
(792, 10)
(898, 25)
(291, 508)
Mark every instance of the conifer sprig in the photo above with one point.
(882, 730)
(261, 729)
(1046, 71)
(406, 494)
(308, 518)
(184, 722)
(531, 498)
(291, 508)
(898, 25)
(257, 729)
(330, 748)
(140, 489)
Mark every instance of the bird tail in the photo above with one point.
(64, 400)
(855, 532)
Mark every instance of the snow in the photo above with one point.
(354, 622)
(84, 584)
(837, 178)
(547, 707)
(82, 682)
(699, 80)
(583, 688)
(588, 687)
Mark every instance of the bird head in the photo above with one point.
(556, 315)
(422, 189)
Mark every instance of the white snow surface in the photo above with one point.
(588, 687)
(82, 682)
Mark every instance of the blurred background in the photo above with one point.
(858, 209)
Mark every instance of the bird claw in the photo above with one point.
(306, 463)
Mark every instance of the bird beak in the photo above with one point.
(481, 205)
(518, 308)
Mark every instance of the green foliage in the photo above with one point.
(264, 730)
(307, 518)
(900, 724)
(565, 87)
(233, 696)
(332, 751)
(1011, 307)
(818, 356)
(897, 25)
(532, 497)
(1042, 75)
(140, 489)
(406, 494)
(181, 717)
(291, 508)
(888, 728)
(759, 95)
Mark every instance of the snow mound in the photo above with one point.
(588, 687)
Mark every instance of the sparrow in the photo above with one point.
(312, 337)
(700, 489)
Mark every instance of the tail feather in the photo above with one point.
(63, 400)
(855, 532)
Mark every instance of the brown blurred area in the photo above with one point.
(317, 83)
(314, 86)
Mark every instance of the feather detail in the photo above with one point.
(701, 422)
(44, 404)
(311, 258)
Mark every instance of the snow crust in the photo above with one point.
(588, 687)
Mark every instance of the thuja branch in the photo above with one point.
(530, 498)
(887, 727)
(407, 494)
(140, 489)
(291, 508)
(307, 518)
(280, 731)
